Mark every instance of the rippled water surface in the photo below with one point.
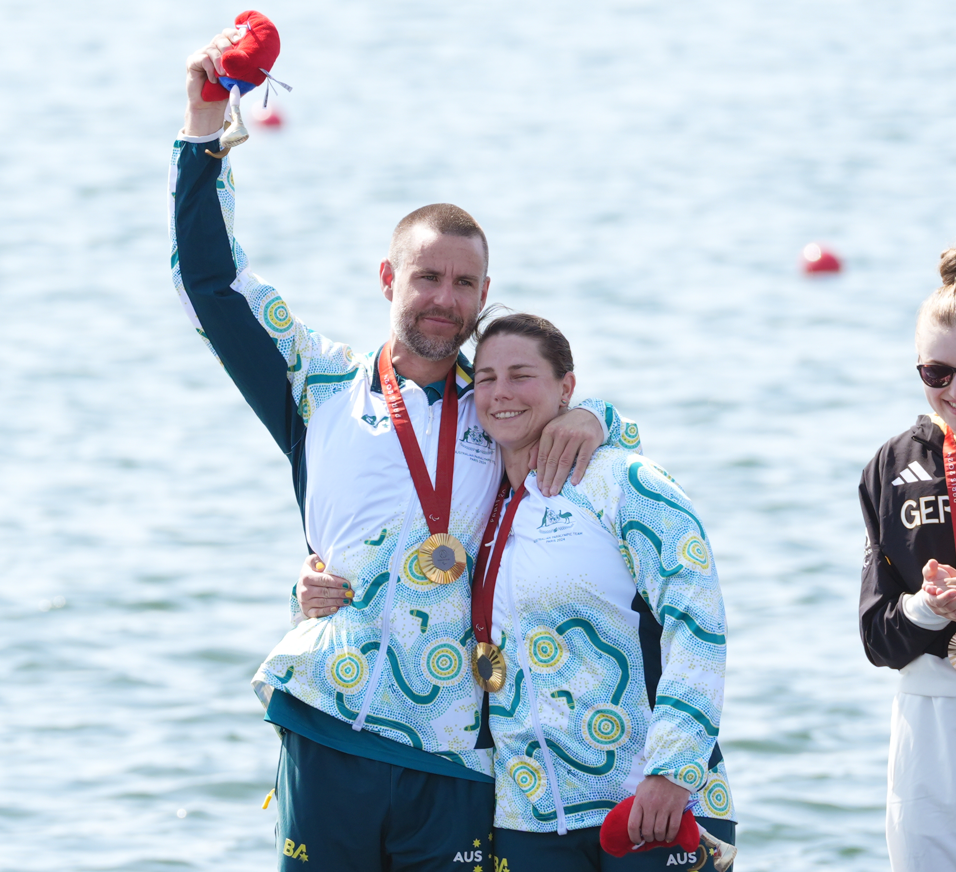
(647, 173)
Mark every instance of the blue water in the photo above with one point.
(647, 174)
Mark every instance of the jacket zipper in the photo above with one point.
(932, 446)
(533, 699)
(394, 570)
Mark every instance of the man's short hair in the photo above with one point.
(440, 217)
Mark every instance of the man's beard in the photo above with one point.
(433, 348)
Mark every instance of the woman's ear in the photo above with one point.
(567, 388)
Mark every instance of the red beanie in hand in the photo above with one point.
(244, 62)
(616, 841)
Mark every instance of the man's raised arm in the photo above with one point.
(282, 369)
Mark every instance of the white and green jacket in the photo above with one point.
(609, 613)
(396, 662)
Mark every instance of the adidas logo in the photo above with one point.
(911, 473)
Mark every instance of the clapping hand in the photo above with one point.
(939, 584)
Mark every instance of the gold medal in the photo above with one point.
(489, 667)
(442, 558)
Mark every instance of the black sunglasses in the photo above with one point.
(936, 375)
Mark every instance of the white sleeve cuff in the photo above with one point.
(210, 137)
(599, 415)
(916, 608)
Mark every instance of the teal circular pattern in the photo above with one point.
(413, 571)
(444, 662)
(348, 670)
(547, 651)
(529, 776)
(606, 727)
(630, 436)
(692, 775)
(277, 315)
(717, 797)
(694, 554)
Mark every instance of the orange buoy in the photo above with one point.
(816, 259)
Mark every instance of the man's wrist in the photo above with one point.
(670, 778)
(596, 408)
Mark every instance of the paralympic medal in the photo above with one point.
(488, 664)
(442, 558)
(489, 667)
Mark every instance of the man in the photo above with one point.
(385, 760)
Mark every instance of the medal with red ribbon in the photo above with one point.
(949, 465)
(441, 556)
(488, 665)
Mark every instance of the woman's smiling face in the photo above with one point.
(516, 390)
(937, 344)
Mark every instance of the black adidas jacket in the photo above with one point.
(907, 516)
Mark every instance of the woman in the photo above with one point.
(908, 599)
(600, 599)
(605, 604)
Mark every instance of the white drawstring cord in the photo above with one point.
(270, 79)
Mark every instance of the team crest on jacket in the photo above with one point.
(476, 445)
(555, 526)
(553, 519)
(374, 422)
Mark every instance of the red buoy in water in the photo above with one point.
(816, 259)
(268, 117)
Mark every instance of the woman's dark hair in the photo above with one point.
(553, 345)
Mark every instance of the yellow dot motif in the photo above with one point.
(692, 774)
(606, 727)
(444, 662)
(277, 315)
(693, 553)
(529, 776)
(630, 436)
(413, 572)
(348, 670)
(547, 651)
(717, 797)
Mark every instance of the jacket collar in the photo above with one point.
(464, 374)
(931, 431)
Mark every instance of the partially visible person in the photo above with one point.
(601, 607)
(908, 598)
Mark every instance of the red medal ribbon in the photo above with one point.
(949, 465)
(435, 501)
(482, 594)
